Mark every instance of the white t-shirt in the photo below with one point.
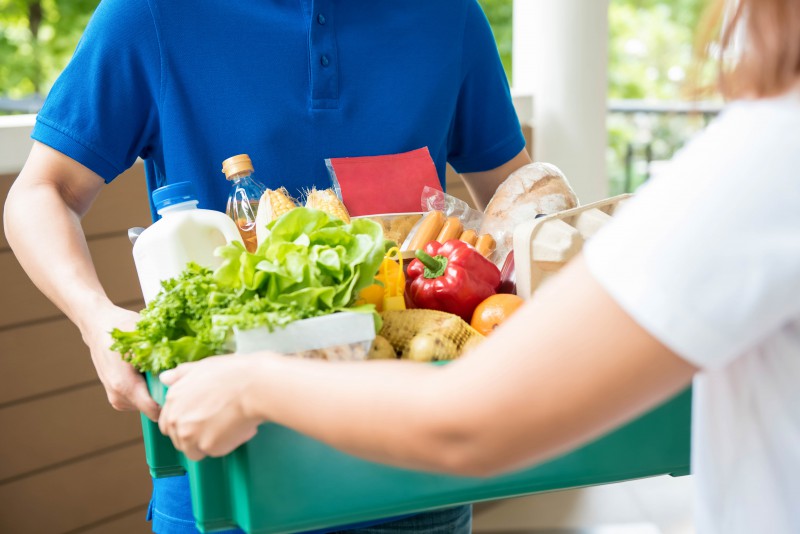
(707, 259)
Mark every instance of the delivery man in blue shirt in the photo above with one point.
(185, 84)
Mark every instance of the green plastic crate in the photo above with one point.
(283, 481)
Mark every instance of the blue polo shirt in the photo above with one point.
(185, 84)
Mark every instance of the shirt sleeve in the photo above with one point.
(707, 257)
(485, 132)
(103, 109)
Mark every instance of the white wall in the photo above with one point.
(15, 141)
(560, 56)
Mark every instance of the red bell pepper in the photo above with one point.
(453, 277)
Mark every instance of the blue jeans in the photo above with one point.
(456, 520)
(171, 513)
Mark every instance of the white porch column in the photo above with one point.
(15, 141)
(560, 55)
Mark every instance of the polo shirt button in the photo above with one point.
(321, 19)
(324, 60)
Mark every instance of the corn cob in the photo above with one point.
(273, 204)
(327, 201)
(280, 202)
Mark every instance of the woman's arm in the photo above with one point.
(42, 223)
(568, 366)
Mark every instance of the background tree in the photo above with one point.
(499, 13)
(650, 54)
(37, 38)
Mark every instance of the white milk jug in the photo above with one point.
(183, 234)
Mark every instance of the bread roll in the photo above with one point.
(537, 188)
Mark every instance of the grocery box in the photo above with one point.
(282, 481)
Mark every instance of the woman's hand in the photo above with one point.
(207, 408)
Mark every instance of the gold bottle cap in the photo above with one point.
(236, 166)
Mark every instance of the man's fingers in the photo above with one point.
(145, 403)
(120, 402)
(164, 420)
(127, 392)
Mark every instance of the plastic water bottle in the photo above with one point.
(183, 234)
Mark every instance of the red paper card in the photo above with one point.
(372, 185)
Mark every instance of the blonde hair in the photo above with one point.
(767, 60)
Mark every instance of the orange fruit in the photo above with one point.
(493, 311)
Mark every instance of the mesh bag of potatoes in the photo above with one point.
(423, 336)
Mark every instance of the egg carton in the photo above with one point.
(544, 245)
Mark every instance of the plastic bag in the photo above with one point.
(396, 226)
(435, 201)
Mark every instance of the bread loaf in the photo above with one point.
(537, 188)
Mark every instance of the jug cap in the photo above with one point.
(172, 194)
(236, 166)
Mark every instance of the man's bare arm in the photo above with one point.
(42, 224)
(482, 185)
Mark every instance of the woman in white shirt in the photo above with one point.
(699, 278)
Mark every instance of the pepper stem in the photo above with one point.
(434, 266)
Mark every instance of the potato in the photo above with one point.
(431, 347)
(400, 326)
(381, 350)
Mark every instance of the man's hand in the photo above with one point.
(482, 185)
(64, 190)
(125, 387)
(207, 410)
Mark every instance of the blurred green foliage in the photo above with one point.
(650, 43)
(499, 13)
(650, 57)
(37, 38)
(650, 48)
